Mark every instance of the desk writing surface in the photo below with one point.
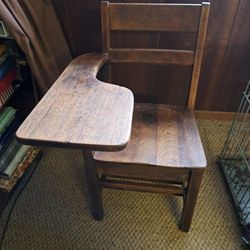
(81, 111)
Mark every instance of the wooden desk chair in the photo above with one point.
(165, 146)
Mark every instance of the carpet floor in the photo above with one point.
(52, 211)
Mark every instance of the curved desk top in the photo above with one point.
(81, 111)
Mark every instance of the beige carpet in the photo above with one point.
(52, 211)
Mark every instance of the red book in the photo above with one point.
(7, 80)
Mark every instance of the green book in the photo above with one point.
(6, 117)
(16, 161)
(8, 155)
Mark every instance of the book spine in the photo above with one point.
(16, 160)
(31, 159)
(8, 155)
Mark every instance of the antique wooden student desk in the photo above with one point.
(82, 112)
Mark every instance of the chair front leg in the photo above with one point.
(190, 199)
(93, 186)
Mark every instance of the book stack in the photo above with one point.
(7, 74)
(15, 158)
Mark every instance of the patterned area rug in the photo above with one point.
(52, 211)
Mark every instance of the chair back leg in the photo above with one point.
(190, 198)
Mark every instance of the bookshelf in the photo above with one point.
(17, 98)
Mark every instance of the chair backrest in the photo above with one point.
(160, 18)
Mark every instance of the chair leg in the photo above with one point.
(94, 189)
(190, 199)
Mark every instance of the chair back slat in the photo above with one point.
(154, 17)
(152, 56)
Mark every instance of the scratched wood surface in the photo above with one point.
(155, 16)
(152, 56)
(81, 111)
(162, 135)
(198, 54)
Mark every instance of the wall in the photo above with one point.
(226, 67)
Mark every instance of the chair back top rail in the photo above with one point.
(154, 17)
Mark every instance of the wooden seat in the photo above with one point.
(162, 135)
(165, 153)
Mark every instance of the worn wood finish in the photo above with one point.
(152, 56)
(106, 33)
(163, 136)
(81, 111)
(198, 54)
(190, 199)
(143, 171)
(154, 17)
(93, 186)
(144, 187)
(105, 25)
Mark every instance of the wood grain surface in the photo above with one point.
(81, 111)
(162, 135)
(105, 25)
(152, 56)
(198, 54)
(154, 17)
